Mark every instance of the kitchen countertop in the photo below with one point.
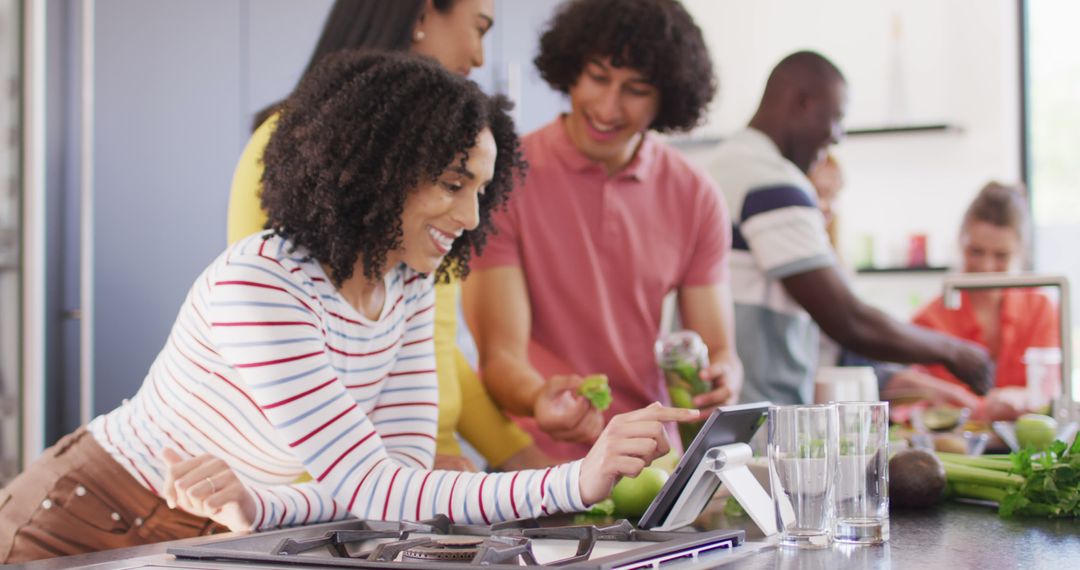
(951, 536)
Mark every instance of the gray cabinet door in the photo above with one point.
(175, 83)
(516, 35)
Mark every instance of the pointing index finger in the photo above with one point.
(658, 412)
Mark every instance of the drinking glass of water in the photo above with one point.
(802, 466)
(862, 473)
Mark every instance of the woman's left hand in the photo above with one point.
(206, 486)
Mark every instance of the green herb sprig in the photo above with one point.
(1029, 482)
(595, 389)
(1051, 486)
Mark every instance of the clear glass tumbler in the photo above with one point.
(802, 468)
(862, 473)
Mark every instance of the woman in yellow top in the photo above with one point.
(450, 31)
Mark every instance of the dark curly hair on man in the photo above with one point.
(361, 131)
(655, 37)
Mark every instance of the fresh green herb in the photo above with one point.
(595, 388)
(811, 449)
(604, 508)
(732, 508)
(1051, 485)
(1024, 483)
(691, 373)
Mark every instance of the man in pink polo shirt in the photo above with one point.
(609, 220)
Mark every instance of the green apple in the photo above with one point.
(668, 462)
(632, 495)
(1035, 430)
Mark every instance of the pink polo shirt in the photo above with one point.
(600, 253)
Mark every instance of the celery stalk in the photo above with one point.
(976, 491)
(983, 462)
(956, 473)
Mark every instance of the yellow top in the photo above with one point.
(484, 427)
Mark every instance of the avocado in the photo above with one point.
(916, 479)
(941, 418)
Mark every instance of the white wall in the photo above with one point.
(952, 62)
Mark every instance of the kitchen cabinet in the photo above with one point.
(168, 89)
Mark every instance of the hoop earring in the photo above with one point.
(419, 35)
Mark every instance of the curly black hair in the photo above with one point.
(361, 131)
(656, 37)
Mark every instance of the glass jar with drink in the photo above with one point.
(682, 355)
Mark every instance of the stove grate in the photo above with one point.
(503, 546)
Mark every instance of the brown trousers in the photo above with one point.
(76, 498)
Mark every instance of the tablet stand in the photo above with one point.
(727, 463)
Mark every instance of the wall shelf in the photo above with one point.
(893, 270)
(697, 142)
(694, 143)
(904, 129)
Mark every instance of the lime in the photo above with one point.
(1035, 430)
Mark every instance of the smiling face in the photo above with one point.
(818, 123)
(455, 37)
(610, 109)
(989, 248)
(436, 213)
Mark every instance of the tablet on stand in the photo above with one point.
(718, 455)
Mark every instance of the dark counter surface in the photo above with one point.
(951, 536)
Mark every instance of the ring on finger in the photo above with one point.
(213, 487)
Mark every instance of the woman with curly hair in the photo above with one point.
(609, 221)
(308, 347)
(451, 32)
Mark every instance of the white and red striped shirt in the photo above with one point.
(270, 369)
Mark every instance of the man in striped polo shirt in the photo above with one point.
(784, 277)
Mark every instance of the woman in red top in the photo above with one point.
(1006, 321)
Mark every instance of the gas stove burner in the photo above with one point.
(444, 550)
(440, 544)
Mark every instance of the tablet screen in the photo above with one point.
(729, 424)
